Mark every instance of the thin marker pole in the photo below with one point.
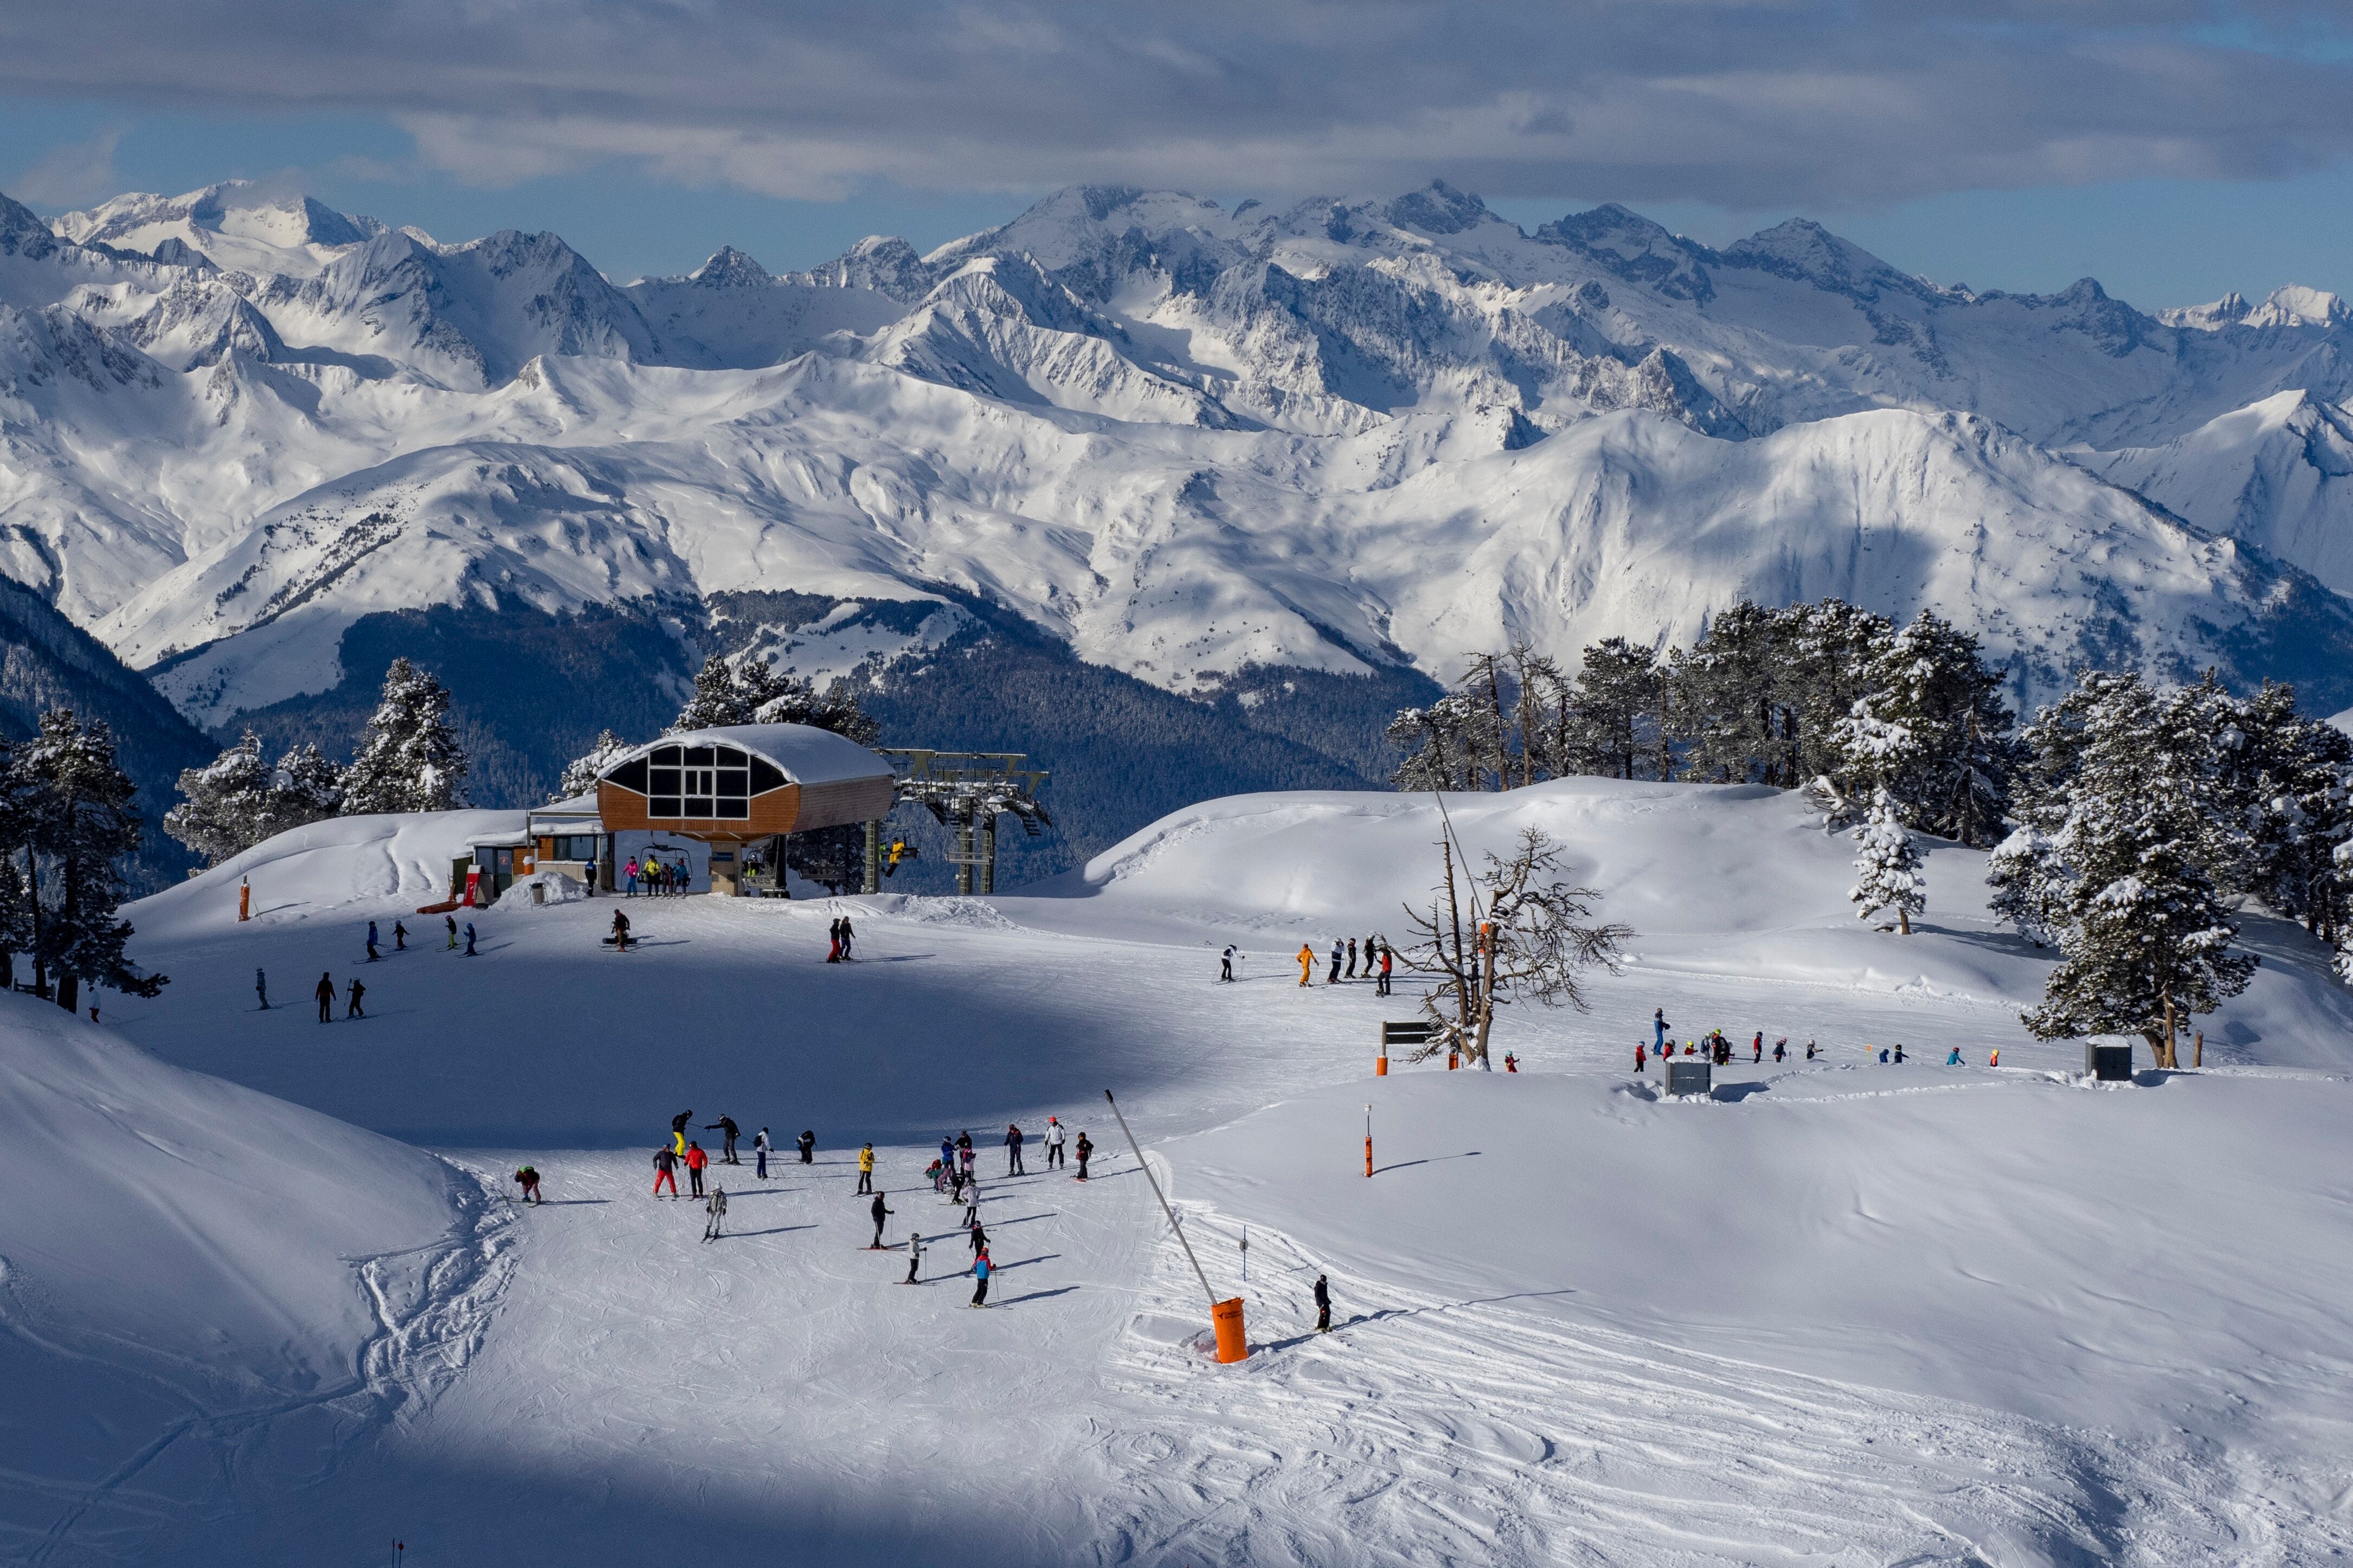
(1156, 1193)
(1368, 1140)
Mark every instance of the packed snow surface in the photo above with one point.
(1839, 1313)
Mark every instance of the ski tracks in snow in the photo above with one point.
(1425, 1431)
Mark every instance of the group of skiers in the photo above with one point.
(325, 990)
(1375, 956)
(1720, 1050)
(659, 880)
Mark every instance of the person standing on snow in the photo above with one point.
(621, 931)
(678, 1125)
(1333, 978)
(718, 1209)
(695, 1162)
(1053, 1143)
(1810, 1050)
(1953, 1057)
(527, 1179)
(866, 1169)
(399, 937)
(980, 1272)
(665, 1170)
(469, 941)
(1386, 957)
(914, 1258)
(879, 1214)
(351, 1008)
(849, 939)
(1757, 1046)
(1085, 1151)
(1226, 963)
(451, 922)
(1352, 958)
(261, 988)
(964, 1152)
(808, 1147)
(371, 941)
(833, 943)
(727, 1129)
(760, 1152)
(1780, 1050)
(1323, 1305)
(978, 1237)
(1307, 963)
(630, 872)
(972, 1202)
(948, 1162)
(326, 995)
(1658, 1034)
(1013, 1152)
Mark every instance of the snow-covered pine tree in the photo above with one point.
(1829, 650)
(303, 787)
(1447, 744)
(751, 692)
(1730, 699)
(1888, 865)
(1616, 694)
(718, 699)
(78, 824)
(224, 805)
(411, 760)
(580, 775)
(1931, 679)
(2144, 931)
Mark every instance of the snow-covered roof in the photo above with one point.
(808, 755)
(578, 805)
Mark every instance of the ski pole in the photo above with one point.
(1156, 1193)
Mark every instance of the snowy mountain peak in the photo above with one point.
(235, 224)
(2297, 306)
(1634, 248)
(1439, 209)
(1802, 248)
(883, 263)
(731, 269)
(22, 232)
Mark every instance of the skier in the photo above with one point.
(261, 988)
(1994, 1060)
(879, 1214)
(528, 1179)
(964, 1152)
(630, 871)
(914, 1257)
(1013, 1152)
(727, 1129)
(1899, 1053)
(1332, 976)
(399, 937)
(1659, 1025)
(665, 1170)
(695, 1162)
(1810, 1050)
(1637, 1056)
(621, 931)
(326, 995)
(980, 1271)
(451, 922)
(760, 1152)
(948, 1160)
(678, 1125)
(1953, 1057)
(1882, 1054)
(1780, 1050)
(833, 947)
(1086, 1150)
(808, 1147)
(1386, 957)
(1053, 1143)
(1322, 1306)
(1512, 1063)
(718, 1207)
(351, 1008)
(371, 942)
(972, 1202)
(866, 1169)
(849, 939)
(1226, 963)
(1307, 963)
(1352, 958)
(978, 1237)
(1758, 1047)
(469, 941)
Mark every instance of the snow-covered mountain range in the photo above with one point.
(1188, 441)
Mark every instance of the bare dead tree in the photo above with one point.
(1528, 937)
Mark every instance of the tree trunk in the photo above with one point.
(33, 904)
(2171, 1060)
(69, 991)
(1902, 921)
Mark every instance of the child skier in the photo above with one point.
(980, 1272)
(718, 1209)
(808, 1147)
(914, 1258)
(1085, 1151)
(399, 937)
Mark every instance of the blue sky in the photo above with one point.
(2173, 149)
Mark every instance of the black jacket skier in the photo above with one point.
(326, 995)
(1322, 1306)
(808, 1146)
(879, 1214)
(727, 1129)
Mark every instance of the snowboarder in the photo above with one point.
(665, 1170)
(1352, 958)
(866, 1169)
(1053, 1143)
(879, 1214)
(469, 941)
(808, 1147)
(760, 1152)
(695, 1162)
(399, 937)
(371, 942)
(326, 995)
(980, 1271)
(727, 1129)
(914, 1258)
(261, 988)
(1323, 1305)
(528, 1179)
(1086, 1150)
(718, 1209)
(1307, 963)
(1386, 957)
(1013, 1152)
(1332, 976)
(621, 931)
(451, 922)
(1226, 962)
(351, 1008)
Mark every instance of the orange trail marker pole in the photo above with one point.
(244, 899)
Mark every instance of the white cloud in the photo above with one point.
(70, 174)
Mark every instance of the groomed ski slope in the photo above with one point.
(1844, 1313)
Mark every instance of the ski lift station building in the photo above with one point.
(713, 798)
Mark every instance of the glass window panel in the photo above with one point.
(665, 781)
(665, 754)
(630, 775)
(735, 781)
(734, 807)
(766, 776)
(697, 756)
(662, 806)
(728, 756)
(697, 805)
